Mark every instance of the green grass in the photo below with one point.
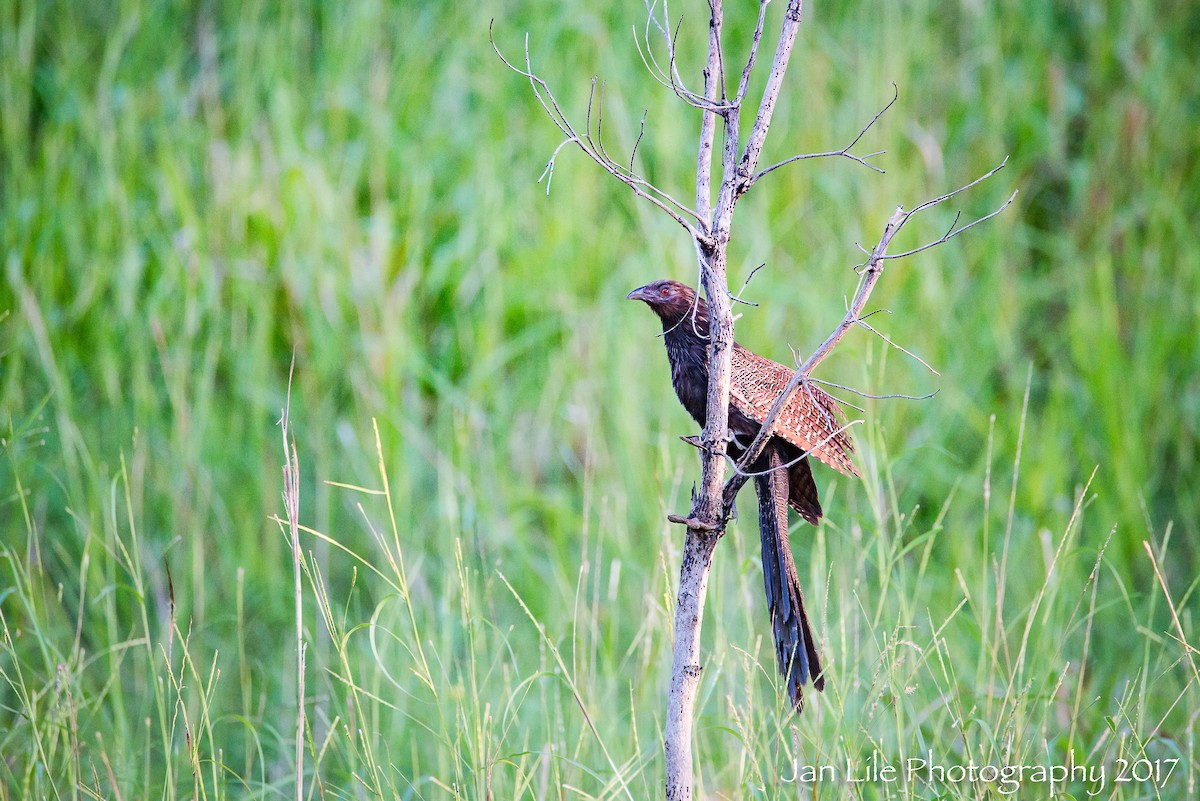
(190, 196)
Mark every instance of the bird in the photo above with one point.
(809, 424)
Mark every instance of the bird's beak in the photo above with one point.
(640, 293)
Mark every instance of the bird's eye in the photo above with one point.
(665, 291)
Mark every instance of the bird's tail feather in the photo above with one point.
(795, 647)
(802, 491)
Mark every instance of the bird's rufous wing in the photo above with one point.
(810, 420)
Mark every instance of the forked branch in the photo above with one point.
(593, 146)
(669, 77)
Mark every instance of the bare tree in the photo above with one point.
(708, 224)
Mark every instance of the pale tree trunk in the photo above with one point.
(708, 518)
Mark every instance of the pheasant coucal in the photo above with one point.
(808, 424)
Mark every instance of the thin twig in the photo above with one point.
(638, 141)
(703, 103)
(842, 401)
(641, 187)
(670, 77)
(744, 84)
(845, 151)
(941, 199)
(953, 232)
(714, 7)
(861, 394)
(861, 322)
(738, 297)
(650, 62)
(708, 130)
(548, 173)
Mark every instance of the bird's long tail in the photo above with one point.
(795, 646)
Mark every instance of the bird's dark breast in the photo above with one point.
(689, 376)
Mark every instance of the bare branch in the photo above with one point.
(866, 284)
(744, 84)
(738, 297)
(552, 110)
(826, 414)
(783, 51)
(953, 232)
(711, 506)
(708, 125)
(861, 322)
(593, 149)
(862, 394)
(647, 56)
(672, 81)
(587, 117)
(842, 401)
(670, 77)
(703, 103)
(638, 141)
(920, 208)
(717, 15)
(845, 151)
(868, 277)
(548, 173)
(875, 119)
(599, 142)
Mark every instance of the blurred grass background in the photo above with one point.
(191, 193)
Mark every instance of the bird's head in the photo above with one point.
(672, 302)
